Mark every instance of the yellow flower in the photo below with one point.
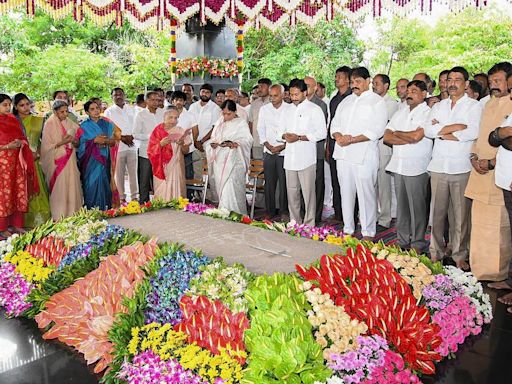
(182, 203)
(32, 269)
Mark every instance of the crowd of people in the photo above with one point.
(360, 156)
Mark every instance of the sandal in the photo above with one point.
(506, 299)
(500, 285)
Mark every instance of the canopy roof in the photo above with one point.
(143, 14)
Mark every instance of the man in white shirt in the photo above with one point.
(380, 85)
(270, 121)
(206, 114)
(411, 154)
(454, 124)
(123, 116)
(263, 98)
(358, 125)
(234, 95)
(145, 122)
(303, 127)
(401, 92)
(186, 120)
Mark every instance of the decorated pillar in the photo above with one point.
(208, 41)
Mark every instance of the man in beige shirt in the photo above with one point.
(490, 247)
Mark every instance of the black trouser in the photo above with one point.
(189, 166)
(274, 176)
(145, 173)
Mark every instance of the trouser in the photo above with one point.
(197, 163)
(490, 248)
(145, 179)
(17, 220)
(297, 182)
(508, 204)
(189, 166)
(359, 180)
(328, 185)
(127, 162)
(413, 202)
(448, 190)
(384, 180)
(274, 176)
(336, 192)
(319, 189)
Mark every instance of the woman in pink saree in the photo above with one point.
(167, 147)
(59, 164)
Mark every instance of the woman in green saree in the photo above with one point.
(39, 205)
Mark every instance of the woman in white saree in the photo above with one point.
(229, 155)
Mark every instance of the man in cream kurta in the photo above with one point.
(454, 124)
(357, 127)
(490, 248)
(302, 128)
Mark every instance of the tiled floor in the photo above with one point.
(485, 359)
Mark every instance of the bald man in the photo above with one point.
(320, 149)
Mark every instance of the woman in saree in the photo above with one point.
(18, 178)
(39, 205)
(168, 144)
(59, 163)
(97, 151)
(229, 155)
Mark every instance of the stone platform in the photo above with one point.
(260, 250)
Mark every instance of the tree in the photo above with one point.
(475, 39)
(301, 50)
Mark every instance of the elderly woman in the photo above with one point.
(229, 155)
(39, 205)
(168, 144)
(18, 178)
(97, 151)
(58, 160)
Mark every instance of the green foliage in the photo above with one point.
(301, 50)
(475, 39)
(280, 341)
(60, 280)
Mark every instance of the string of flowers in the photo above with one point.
(240, 46)
(170, 284)
(202, 66)
(172, 57)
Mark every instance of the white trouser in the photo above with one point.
(360, 180)
(127, 162)
(328, 185)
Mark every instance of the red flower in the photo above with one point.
(372, 292)
(212, 325)
(246, 220)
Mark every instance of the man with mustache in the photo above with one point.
(454, 125)
(502, 137)
(206, 114)
(357, 127)
(409, 162)
(490, 247)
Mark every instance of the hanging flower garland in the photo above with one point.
(172, 58)
(202, 66)
(240, 46)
